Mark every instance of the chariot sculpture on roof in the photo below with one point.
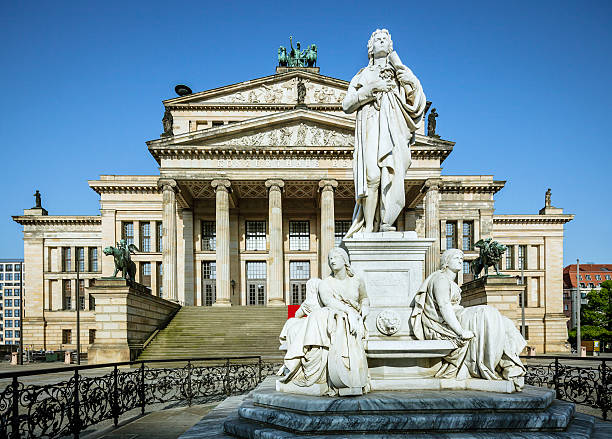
(296, 56)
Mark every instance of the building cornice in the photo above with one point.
(455, 186)
(57, 219)
(113, 187)
(532, 219)
(219, 106)
(272, 152)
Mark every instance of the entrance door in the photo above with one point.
(299, 273)
(209, 283)
(256, 283)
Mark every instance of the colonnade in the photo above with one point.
(223, 188)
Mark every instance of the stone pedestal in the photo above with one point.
(499, 292)
(126, 315)
(533, 413)
(392, 265)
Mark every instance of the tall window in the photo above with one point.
(127, 232)
(522, 257)
(66, 259)
(66, 336)
(8, 267)
(80, 254)
(468, 236)
(209, 287)
(145, 237)
(209, 236)
(160, 233)
(92, 336)
(451, 234)
(92, 303)
(17, 276)
(299, 235)
(299, 273)
(93, 259)
(82, 294)
(255, 235)
(588, 277)
(256, 283)
(467, 272)
(510, 258)
(66, 294)
(145, 273)
(160, 277)
(340, 229)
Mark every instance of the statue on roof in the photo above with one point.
(296, 56)
(431, 123)
(37, 197)
(283, 59)
(301, 92)
(311, 56)
(167, 121)
(546, 198)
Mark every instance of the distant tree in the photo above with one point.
(598, 311)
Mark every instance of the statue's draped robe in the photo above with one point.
(320, 347)
(387, 125)
(492, 354)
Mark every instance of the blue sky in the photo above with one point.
(522, 87)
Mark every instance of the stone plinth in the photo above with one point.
(126, 315)
(534, 413)
(499, 292)
(392, 265)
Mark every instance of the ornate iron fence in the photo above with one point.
(586, 385)
(69, 406)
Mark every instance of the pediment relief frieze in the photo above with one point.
(301, 134)
(281, 92)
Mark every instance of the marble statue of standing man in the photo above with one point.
(390, 103)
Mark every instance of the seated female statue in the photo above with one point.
(326, 352)
(487, 343)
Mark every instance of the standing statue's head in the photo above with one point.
(380, 44)
(452, 259)
(338, 256)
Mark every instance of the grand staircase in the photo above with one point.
(199, 331)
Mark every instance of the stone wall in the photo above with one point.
(126, 315)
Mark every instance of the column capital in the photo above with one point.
(327, 185)
(275, 185)
(432, 184)
(221, 185)
(167, 184)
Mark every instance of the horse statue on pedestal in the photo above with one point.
(123, 260)
(491, 253)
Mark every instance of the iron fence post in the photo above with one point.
(260, 366)
(143, 398)
(15, 417)
(189, 395)
(228, 388)
(556, 379)
(76, 416)
(115, 397)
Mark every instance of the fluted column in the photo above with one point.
(432, 224)
(276, 296)
(327, 223)
(222, 188)
(169, 188)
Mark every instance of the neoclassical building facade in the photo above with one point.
(252, 192)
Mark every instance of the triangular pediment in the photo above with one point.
(275, 89)
(300, 127)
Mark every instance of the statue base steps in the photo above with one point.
(531, 414)
(498, 386)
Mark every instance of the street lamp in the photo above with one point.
(578, 303)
